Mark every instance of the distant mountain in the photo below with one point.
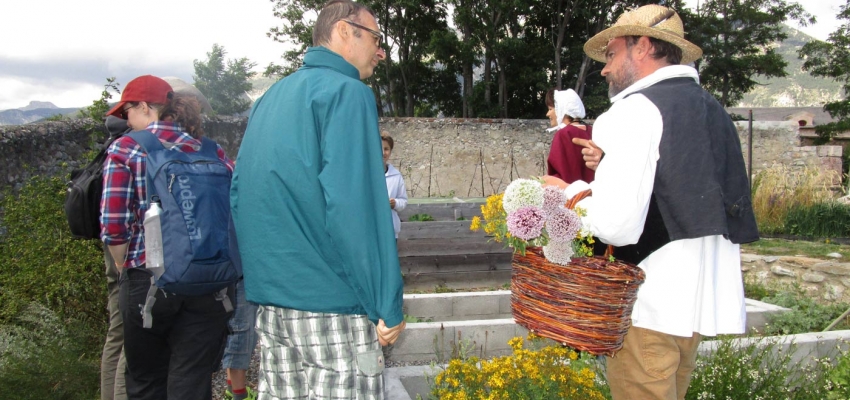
(35, 105)
(34, 111)
(798, 89)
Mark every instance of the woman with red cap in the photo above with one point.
(175, 357)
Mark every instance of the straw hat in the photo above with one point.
(651, 20)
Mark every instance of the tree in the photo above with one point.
(737, 38)
(297, 30)
(832, 59)
(225, 88)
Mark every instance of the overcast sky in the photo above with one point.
(62, 51)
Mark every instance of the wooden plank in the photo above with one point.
(438, 229)
(442, 211)
(457, 280)
(456, 263)
(454, 246)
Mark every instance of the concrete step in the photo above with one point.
(483, 322)
(405, 383)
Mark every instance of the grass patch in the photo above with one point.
(779, 189)
(783, 247)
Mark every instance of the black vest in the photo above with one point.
(701, 186)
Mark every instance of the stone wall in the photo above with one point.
(438, 157)
(824, 280)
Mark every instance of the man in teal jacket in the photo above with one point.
(315, 235)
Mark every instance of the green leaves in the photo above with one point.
(832, 59)
(737, 38)
(226, 87)
(40, 262)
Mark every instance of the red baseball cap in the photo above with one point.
(147, 88)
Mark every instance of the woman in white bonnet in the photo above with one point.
(565, 160)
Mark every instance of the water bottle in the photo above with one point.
(154, 260)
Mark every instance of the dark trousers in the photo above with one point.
(176, 357)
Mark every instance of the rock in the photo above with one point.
(770, 259)
(833, 292)
(746, 268)
(812, 277)
(782, 271)
(832, 268)
(834, 255)
(750, 258)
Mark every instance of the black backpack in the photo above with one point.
(82, 202)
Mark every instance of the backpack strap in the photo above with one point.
(147, 140)
(149, 143)
(209, 148)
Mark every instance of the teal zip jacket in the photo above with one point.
(309, 197)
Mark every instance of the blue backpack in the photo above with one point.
(198, 236)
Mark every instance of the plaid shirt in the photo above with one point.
(124, 201)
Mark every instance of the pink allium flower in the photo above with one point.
(559, 252)
(526, 223)
(553, 199)
(563, 225)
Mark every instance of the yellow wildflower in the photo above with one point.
(475, 224)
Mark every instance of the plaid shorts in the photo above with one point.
(306, 355)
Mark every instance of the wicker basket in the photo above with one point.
(586, 305)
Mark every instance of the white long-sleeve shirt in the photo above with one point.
(397, 191)
(692, 285)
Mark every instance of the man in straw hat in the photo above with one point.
(671, 191)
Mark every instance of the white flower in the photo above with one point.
(558, 252)
(522, 193)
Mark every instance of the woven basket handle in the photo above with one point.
(571, 204)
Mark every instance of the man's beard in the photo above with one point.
(627, 74)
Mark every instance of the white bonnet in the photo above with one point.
(567, 102)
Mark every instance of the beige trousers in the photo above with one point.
(112, 364)
(652, 365)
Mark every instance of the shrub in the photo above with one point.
(828, 219)
(44, 357)
(420, 218)
(839, 377)
(756, 291)
(757, 369)
(551, 372)
(805, 316)
(40, 262)
(778, 189)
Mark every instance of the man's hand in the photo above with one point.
(549, 180)
(591, 152)
(392, 204)
(388, 336)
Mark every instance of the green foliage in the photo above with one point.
(224, 87)
(779, 189)
(420, 218)
(95, 114)
(736, 38)
(41, 262)
(43, 356)
(442, 288)
(782, 247)
(828, 219)
(756, 291)
(806, 315)
(840, 379)
(830, 59)
(758, 368)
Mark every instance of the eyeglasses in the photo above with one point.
(379, 37)
(126, 109)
